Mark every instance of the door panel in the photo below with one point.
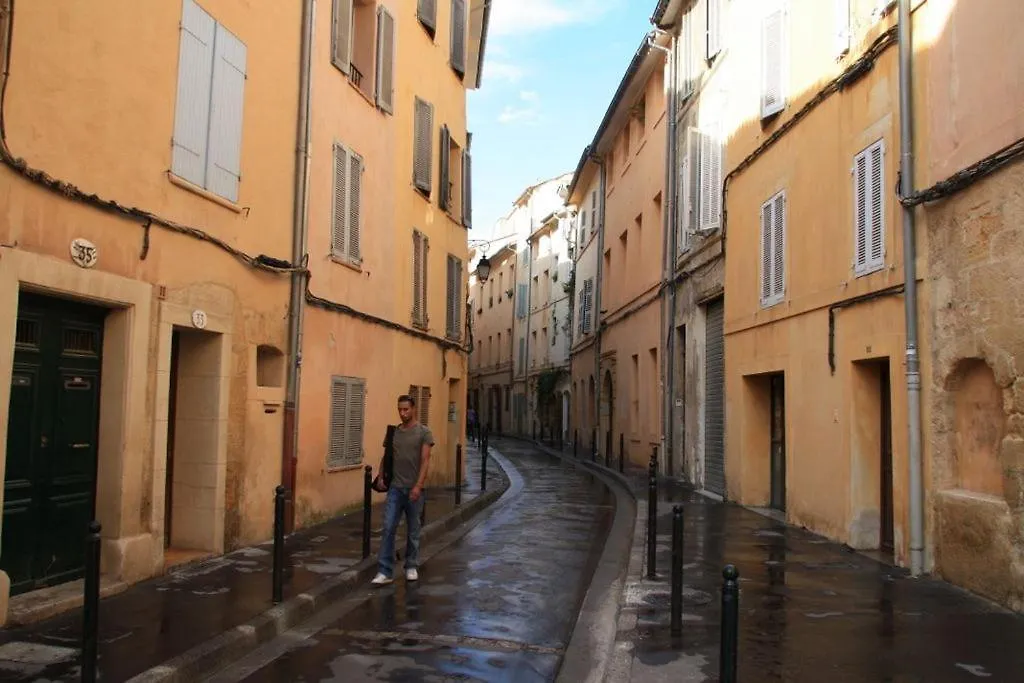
(778, 443)
(714, 398)
(52, 441)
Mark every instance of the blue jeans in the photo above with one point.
(395, 505)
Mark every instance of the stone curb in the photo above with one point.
(211, 656)
(589, 651)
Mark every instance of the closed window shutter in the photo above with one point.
(593, 211)
(710, 181)
(425, 405)
(589, 305)
(418, 267)
(689, 191)
(773, 250)
(766, 252)
(340, 212)
(684, 58)
(385, 95)
(444, 197)
(224, 156)
(426, 12)
(423, 142)
(714, 44)
(779, 245)
(195, 78)
(579, 322)
(454, 322)
(869, 209)
(842, 30)
(355, 199)
(414, 394)
(337, 446)
(459, 36)
(773, 98)
(467, 189)
(354, 426)
(341, 38)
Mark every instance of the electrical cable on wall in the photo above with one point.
(964, 178)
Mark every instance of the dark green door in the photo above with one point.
(50, 481)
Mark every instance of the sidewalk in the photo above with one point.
(168, 616)
(810, 610)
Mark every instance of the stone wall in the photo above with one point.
(976, 245)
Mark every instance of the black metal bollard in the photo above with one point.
(534, 431)
(593, 445)
(677, 571)
(622, 453)
(483, 466)
(730, 624)
(561, 439)
(91, 603)
(367, 508)
(652, 516)
(458, 474)
(576, 444)
(608, 448)
(278, 575)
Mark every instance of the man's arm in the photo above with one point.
(425, 446)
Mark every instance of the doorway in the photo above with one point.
(886, 533)
(777, 389)
(52, 440)
(871, 481)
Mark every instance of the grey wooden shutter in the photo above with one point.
(424, 411)
(772, 63)
(192, 109)
(877, 253)
(779, 247)
(417, 277)
(385, 95)
(588, 308)
(714, 397)
(337, 447)
(467, 189)
(227, 101)
(869, 209)
(339, 210)
(458, 57)
(355, 201)
(414, 394)
(766, 252)
(341, 36)
(354, 422)
(423, 146)
(444, 191)
(426, 12)
(451, 299)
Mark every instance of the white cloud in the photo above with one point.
(503, 71)
(526, 113)
(511, 17)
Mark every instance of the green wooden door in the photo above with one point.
(52, 434)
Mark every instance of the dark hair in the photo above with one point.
(406, 398)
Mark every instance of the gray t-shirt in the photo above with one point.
(408, 448)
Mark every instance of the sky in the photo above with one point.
(550, 70)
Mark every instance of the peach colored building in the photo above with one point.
(629, 149)
(388, 214)
(142, 369)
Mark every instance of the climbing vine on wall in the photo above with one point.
(546, 383)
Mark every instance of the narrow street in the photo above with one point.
(498, 605)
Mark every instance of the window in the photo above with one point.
(522, 354)
(714, 28)
(521, 302)
(426, 12)
(421, 395)
(423, 146)
(450, 191)
(593, 211)
(842, 32)
(467, 184)
(363, 48)
(420, 251)
(453, 321)
(773, 63)
(345, 219)
(207, 143)
(685, 66)
(458, 56)
(348, 404)
(869, 209)
(586, 305)
(773, 248)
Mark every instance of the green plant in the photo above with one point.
(546, 383)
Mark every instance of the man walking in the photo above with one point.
(412, 445)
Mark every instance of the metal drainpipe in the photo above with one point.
(529, 316)
(298, 280)
(597, 296)
(910, 299)
(668, 299)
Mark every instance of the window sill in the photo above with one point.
(343, 468)
(205, 194)
(362, 93)
(772, 303)
(353, 264)
(868, 270)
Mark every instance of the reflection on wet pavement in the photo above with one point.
(498, 605)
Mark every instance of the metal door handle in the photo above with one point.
(80, 445)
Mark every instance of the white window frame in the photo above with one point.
(777, 286)
(873, 193)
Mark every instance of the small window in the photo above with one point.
(347, 207)
(79, 342)
(362, 47)
(348, 405)
(423, 146)
(453, 326)
(458, 56)
(869, 209)
(773, 248)
(773, 63)
(426, 12)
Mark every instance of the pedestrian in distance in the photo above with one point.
(471, 424)
(411, 446)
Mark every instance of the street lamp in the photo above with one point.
(483, 269)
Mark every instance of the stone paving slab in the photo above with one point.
(161, 618)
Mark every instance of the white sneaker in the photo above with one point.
(381, 580)
(412, 575)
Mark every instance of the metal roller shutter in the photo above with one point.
(714, 399)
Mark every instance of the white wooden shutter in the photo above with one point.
(354, 423)
(869, 209)
(710, 180)
(842, 27)
(459, 36)
(337, 447)
(195, 78)
(426, 12)
(339, 210)
(684, 59)
(766, 252)
(423, 146)
(227, 101)
(355, 202)
(385, 95)
(341, 36)
(714, 28)
(444, 195)
(467, 189)
(773, 98)
(779, 247)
